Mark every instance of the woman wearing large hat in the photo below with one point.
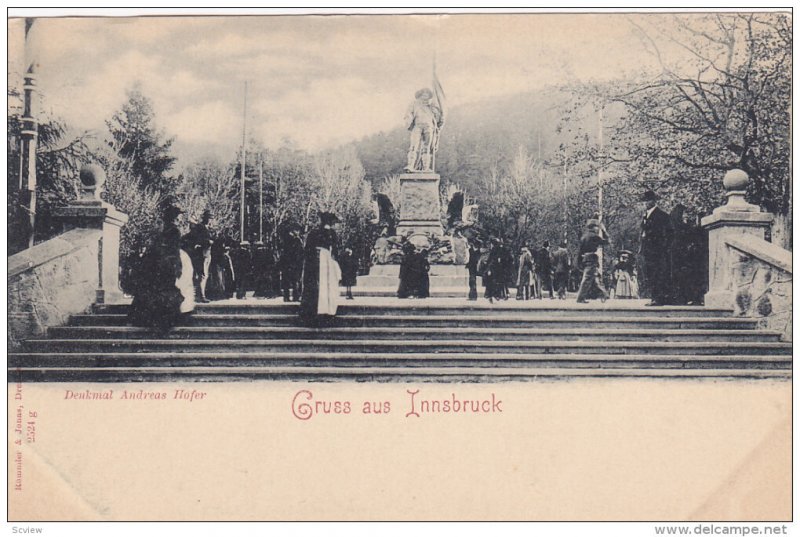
(321, 273)
(164, 291)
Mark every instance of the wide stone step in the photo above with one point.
(445, 321)
(356, 359)
(534, 309)
(404, 345)
(371, 374)
(171, 370)
(427, 333)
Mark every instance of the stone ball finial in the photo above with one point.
(93, 178)
(735, 179)
(735, 183)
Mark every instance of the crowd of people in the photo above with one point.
(672, 257)
(534, 272)
(176, 271)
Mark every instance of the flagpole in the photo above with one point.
(242, 239)
(600, 183)
(261, 202)
(435, 141)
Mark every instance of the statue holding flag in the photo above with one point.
(425, 119)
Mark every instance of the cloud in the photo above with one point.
(85, 96)
(328, 111)
(189, 83)
(211, 122)
(319, 80)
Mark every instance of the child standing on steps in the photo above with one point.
(349, 268)
(626, 284)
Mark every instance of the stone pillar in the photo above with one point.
(419, 206)
(735, 219)
(89, 211)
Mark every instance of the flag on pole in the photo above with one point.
(439, 102)
(439, 96)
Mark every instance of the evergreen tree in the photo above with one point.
(136, 139)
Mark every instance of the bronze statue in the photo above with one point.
(424, 119)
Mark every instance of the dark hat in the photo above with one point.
(328, 218)
(172, 212)
(649, 196)
(546, 244)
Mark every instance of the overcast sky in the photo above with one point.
(318, 80)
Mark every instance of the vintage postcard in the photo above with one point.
(441, 266)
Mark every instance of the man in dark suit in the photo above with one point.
(290, 264)
(472, 268)
(561, 266)
(589, 262)
(655, 250)
(544, 269)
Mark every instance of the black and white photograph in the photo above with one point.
(387, 265)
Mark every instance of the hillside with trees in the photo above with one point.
(533, 161)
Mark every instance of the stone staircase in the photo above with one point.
(409, 340)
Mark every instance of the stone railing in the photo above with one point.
(762, 283)
(68, 273)
(747, 273)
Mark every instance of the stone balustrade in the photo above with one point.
(747, 273)
(762, 283)
(67, 274)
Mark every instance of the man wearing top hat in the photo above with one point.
(290, 264)
(422, 119)
(655, 250)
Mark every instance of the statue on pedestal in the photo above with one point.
(424, 119)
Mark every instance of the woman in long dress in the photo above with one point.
(525, 274)
(421, 267)
(321, 273)
(164, 291)
(407, 282)
(221, 275)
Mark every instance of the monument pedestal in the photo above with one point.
(447, 281)
(420, 217)
(419, 206)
